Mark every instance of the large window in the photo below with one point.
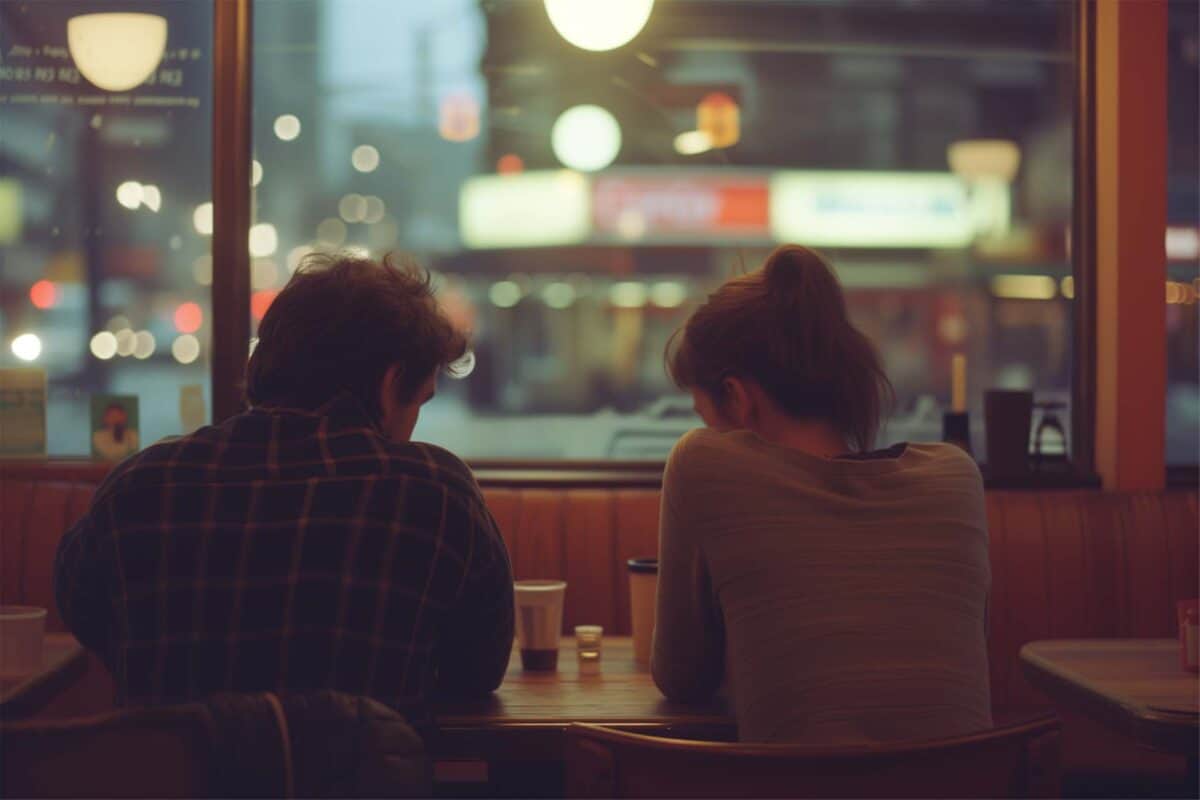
(1183, 233)
(105, 129)
(576, 202)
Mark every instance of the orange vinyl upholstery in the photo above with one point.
(1065, 564)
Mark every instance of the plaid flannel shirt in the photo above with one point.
(291, 550)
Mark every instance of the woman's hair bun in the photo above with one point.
(794, 270)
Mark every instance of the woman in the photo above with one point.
(842, 591)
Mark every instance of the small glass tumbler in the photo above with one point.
(589, 640)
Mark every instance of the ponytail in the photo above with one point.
(785, 326)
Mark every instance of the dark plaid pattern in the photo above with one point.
(290, 550)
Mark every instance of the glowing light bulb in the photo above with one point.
(586, 138)
(256, 172)
(116, 52)
(595, 25)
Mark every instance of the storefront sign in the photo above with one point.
(531, 209)
(673, 207)
(870, 209)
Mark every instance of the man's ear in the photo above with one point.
(387, 389)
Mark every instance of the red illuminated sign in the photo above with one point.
(667, 209)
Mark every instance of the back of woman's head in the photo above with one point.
(785, 327)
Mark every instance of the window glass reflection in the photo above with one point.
(580, 188)
(104, 170)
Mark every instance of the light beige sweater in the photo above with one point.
(845, 600)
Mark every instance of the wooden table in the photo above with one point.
(1134, 686)
(64, 663)
(525, 720)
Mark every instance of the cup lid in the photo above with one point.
(21, 612)
(643, 565)
(538, 585)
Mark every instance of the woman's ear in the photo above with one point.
(738, 406)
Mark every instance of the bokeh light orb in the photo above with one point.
(43, 294)
(586, 138)
(598, 24)
(287, 127)
(27, 347)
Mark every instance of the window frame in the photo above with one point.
(231, 157)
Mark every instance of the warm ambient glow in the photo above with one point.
(595, 25)
(287, 127)
(668, 294)
(975, 159)
(510, 164)
(264, 240)
(104, 345)
(558, 295)
(202, 218)
(27, 347)
(586, 138)
(256, 172)
(352, 207)
(331, 232)
(188, 317)
(718, 116)
(261, 301)
(458, 117)
(130, 195)
(628, 294)
(533, 209)
(692, 143)
(126, 340)
(43, 294)
(505, 294)
(365, 158)
(143, 345)
(186, 348)
(1024, 287)
(116, 52)
(151, 197)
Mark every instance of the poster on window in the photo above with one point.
(22, 413)
(114, 426)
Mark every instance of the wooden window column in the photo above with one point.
(1130, 258)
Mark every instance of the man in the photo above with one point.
(305, 543)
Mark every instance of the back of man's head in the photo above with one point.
(340, 324)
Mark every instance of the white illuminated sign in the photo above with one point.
(870, 209)
(532, 209)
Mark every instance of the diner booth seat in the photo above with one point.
(1065, 564)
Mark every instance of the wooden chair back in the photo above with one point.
(1021, 760)
(163, 752)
